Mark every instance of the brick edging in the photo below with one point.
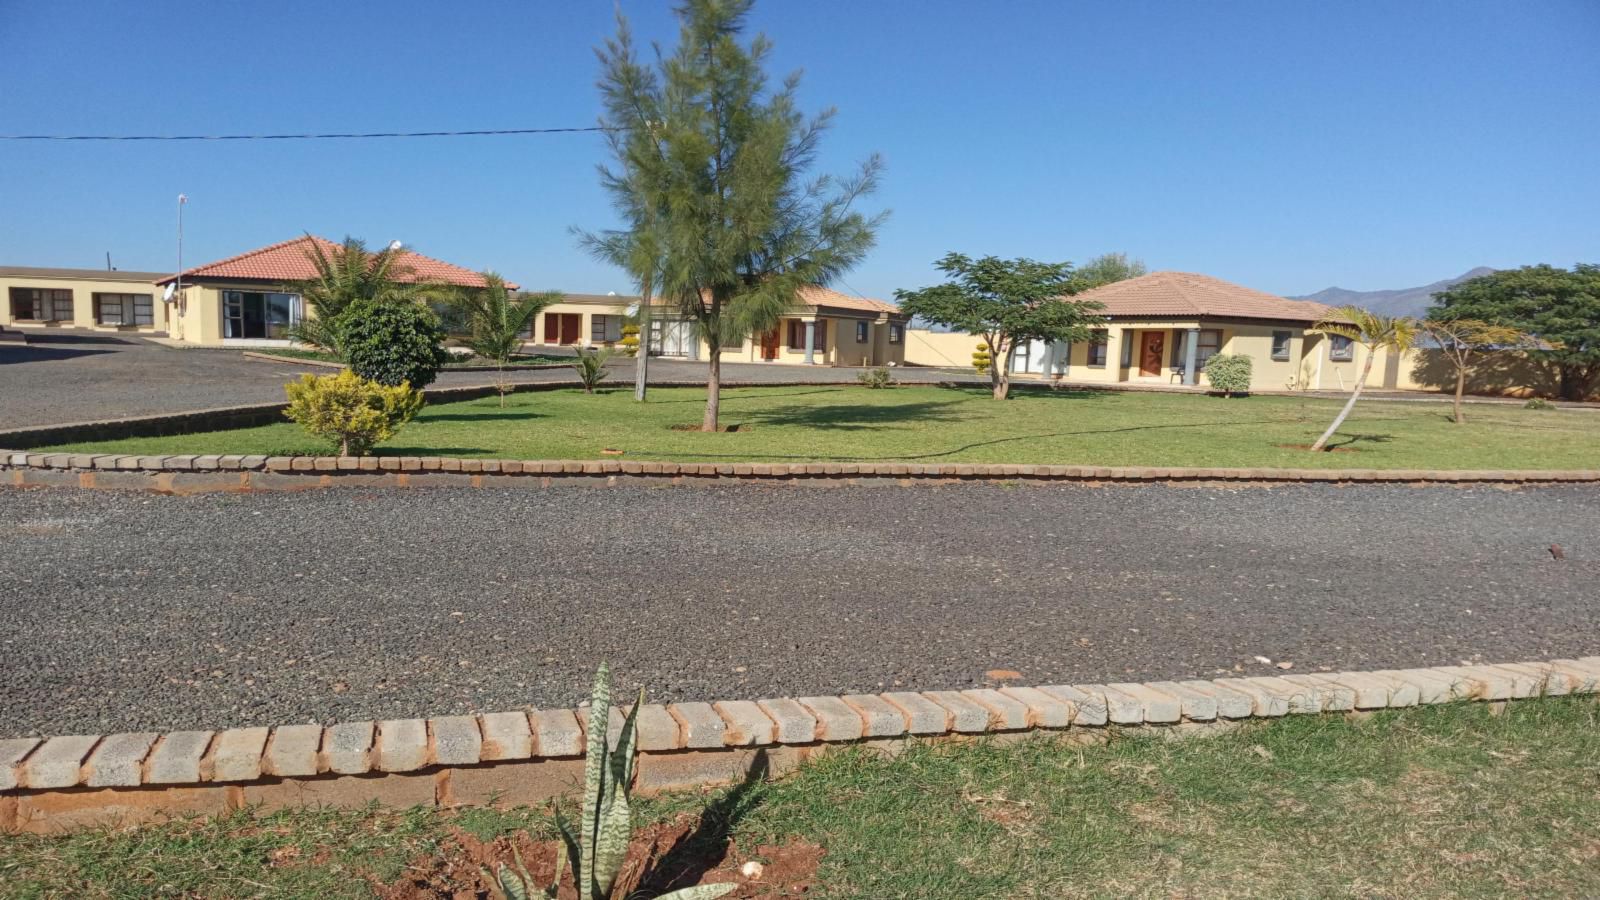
(201, 473)
(527, 756)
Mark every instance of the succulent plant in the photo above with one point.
(597, 850)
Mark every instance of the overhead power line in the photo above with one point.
(298, 137)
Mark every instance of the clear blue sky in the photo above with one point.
(1285, 146)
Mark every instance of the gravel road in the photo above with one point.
(137, 611)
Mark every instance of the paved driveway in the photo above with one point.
(61, 377)
(134, 611)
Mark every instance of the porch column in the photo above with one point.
(1191, 348)
(811, 339)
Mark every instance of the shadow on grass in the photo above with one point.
(706, 847)
(856, 416)
(733, 394)
(1349, 439)
(489, 414)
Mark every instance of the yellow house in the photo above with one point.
(1161, 328)
(584, 320)
(102, 300)
(249, 300)
(825, 328)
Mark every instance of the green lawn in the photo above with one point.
(934, 425)
(1446, 801)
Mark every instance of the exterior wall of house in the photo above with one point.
(587, 314)
(940, 348)
(840, 348)
(83, 303)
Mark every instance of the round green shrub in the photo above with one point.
(1538, 403)
(1228, 373)
(392, 343)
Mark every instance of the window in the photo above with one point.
(1280, 346)
(1208, 345)
(252, 314)
(124, 309)
(897, 332)
(41, 304)
(861, 332)
(797, 335)
(605, 329)
(1097, 349)
(1341, 348)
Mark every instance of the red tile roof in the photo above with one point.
(289, 261)
(1187, 295)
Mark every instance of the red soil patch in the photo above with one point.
(661, 858)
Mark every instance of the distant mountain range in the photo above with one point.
(1398, 302)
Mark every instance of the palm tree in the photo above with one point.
(497, 321)
(1459, 339)
(345, 274)
(1370, 330)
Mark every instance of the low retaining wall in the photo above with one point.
(528, 757)
(198, 474)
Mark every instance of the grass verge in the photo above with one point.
(952, 424)
(1446, 801)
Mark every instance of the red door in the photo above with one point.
(769, 345)
(561, 328)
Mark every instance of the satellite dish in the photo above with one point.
(167, 294)
(395, 245)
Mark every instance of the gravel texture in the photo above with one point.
(130, 611)
(61, 377)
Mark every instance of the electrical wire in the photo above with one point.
(495, 132)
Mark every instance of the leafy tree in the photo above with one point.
(710, 177)
(1370, 330)
(350, 410)
(1461, 340)
(1560, 307)
(1005, 302)
(1229, 373)
(1107, 268)
(345, 275)
(392, 343)
(497, 321)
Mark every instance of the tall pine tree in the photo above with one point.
(711, 173)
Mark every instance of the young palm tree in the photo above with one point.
(345, 274)
(1370, 330)
(498, 320)
(1460, 339)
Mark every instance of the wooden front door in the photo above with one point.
(1152, 350)
(561, 328)
(769, 344)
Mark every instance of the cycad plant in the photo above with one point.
(345, 274)
(498, 321)
(597, 851)
(591, 368)
(1396, 334)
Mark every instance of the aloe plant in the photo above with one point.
(596, 852)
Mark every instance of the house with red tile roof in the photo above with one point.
(1161, 328)
(250, 299)
(824, 328)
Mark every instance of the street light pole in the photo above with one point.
(177, 293)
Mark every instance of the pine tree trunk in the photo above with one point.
(1461, 388)
(1349, 404)
(713, 388)
(641, 361)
